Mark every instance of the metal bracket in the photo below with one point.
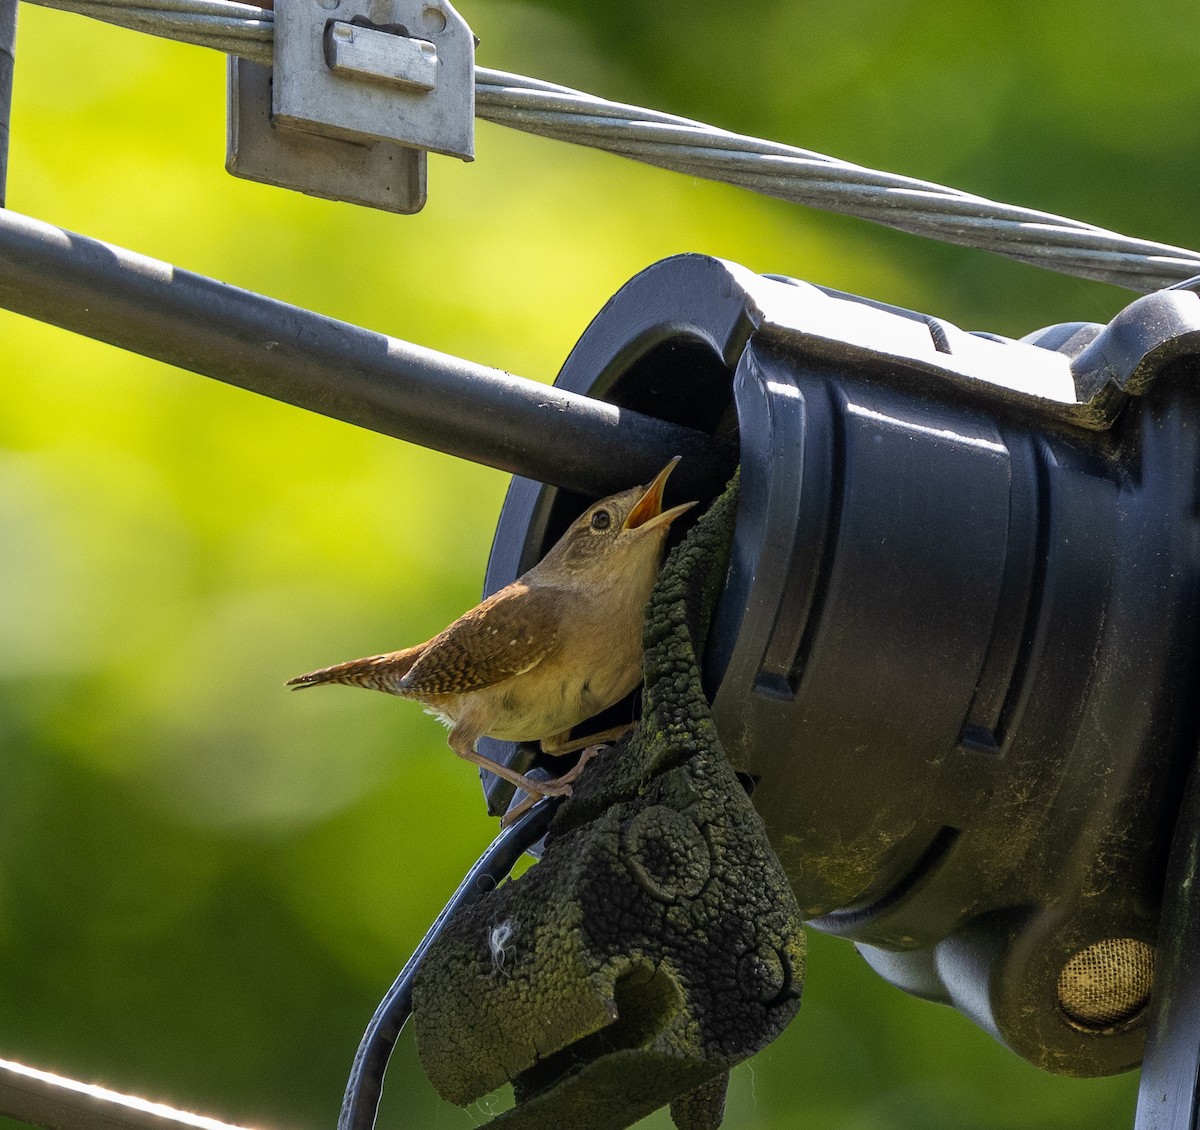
(383, 175)
(358, 91)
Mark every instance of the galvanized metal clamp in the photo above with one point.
(359, 91)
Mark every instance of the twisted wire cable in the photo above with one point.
(224, 25)
(679, 144)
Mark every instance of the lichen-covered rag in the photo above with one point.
(656, 944)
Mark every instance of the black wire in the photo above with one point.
(365, 1085)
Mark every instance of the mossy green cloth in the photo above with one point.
(656, 944)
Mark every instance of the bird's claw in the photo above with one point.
(556, 786)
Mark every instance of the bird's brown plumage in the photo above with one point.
(558, 645)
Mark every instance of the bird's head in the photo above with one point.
(618, 534)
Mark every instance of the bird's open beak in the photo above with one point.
(648, 513)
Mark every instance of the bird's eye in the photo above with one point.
(601, 520)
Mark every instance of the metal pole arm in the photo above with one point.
(341, 370)
(55, 1102)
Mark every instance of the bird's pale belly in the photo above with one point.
(519, 710)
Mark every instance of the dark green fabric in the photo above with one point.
(656, 944)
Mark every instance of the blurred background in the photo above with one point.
(206, 882)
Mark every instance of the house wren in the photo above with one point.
(557, 646)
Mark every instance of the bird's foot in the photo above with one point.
(535, 789)
(572, 774)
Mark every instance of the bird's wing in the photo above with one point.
(508, 634)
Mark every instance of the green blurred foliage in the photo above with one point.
(205, 882)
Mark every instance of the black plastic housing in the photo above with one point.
(957, 652)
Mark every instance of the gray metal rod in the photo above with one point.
(8, 40)
(55, 1102)
(343, 371)
(1169, 1094)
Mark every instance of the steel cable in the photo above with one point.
(799, 176)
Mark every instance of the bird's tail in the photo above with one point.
(376, 672)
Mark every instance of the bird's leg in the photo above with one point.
(559, 744)
(463, 743)
(567, 778)
(589, 751)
